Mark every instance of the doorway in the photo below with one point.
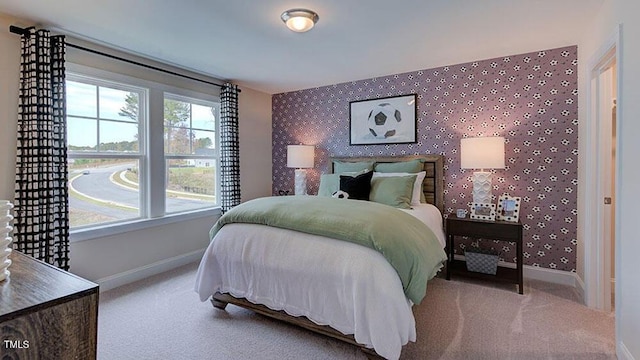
(600, 262)
(606, 123)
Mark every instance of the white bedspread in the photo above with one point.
(431, 216)
(347, 286)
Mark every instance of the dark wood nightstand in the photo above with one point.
(493, 230)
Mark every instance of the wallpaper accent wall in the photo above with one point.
(530, 99)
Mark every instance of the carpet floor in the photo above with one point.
(162, 318)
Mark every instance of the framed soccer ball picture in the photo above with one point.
(482, 211)
(390, 120)
(508, 208)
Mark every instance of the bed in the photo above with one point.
(351, 292)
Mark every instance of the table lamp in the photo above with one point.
(300, 157)
(482, 153)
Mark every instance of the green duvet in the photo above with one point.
(407, 243)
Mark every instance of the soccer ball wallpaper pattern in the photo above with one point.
(529, 99)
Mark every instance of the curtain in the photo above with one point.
(41, 225)
(229, 148)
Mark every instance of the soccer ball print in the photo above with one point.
(383, 121)
(390, 120)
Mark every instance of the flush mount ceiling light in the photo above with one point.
(299, 20)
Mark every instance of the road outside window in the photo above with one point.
(104, 145)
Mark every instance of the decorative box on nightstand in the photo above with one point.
(493, 230)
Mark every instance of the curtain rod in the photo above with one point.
(23, 31)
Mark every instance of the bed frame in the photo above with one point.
(433, 186)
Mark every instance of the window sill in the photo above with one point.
(139, 224)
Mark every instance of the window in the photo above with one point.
(105, 145)
(190, 153)
(112, 176)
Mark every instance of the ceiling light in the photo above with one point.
(299, 20)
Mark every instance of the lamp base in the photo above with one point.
(301, 182)
(482, 187)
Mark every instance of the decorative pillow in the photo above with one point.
(412, 166)
(329, 183)
(357, 187)
(394, 191)
(340, 195)
(417, 195)
(340, 167)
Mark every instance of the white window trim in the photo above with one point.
(108, 229)
(153, 213)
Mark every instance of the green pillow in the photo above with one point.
(329, 183)
(340, 167)
(394, 191)
(412, 166)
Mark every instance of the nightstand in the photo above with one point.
(492, 230)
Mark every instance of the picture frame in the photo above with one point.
(389, 120)
(483, 211)
(508, 208)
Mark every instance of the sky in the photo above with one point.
(82, 102)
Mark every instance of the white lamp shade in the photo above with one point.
(482, 153)
(300, 156)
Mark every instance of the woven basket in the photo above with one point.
(482, 260)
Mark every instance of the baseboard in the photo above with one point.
(623, 353)
(123, 278)
(551, 275)
(543, 274)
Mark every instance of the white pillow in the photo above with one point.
(417, 185)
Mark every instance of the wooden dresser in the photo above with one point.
(46, 313)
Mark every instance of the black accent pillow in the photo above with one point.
(357, 187)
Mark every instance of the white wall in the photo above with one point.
(628, 314)
(9, 79)
(624, 12)
(596, 33)
(109, 256)
(255, 144)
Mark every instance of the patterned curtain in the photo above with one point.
(41, 225)
(229, 148)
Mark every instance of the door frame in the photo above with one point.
(596, 251)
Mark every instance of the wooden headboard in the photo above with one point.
(433, 184)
